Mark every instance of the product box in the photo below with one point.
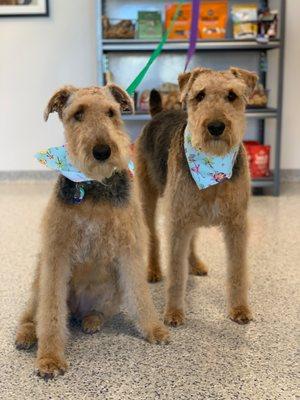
(259, 158)
(181, 27)
(244, 17)
(149, 25)
(213, 19)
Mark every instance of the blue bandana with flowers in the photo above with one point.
(208, 169)
(57, 159)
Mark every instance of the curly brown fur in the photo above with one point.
(162, 169)
(93, 254)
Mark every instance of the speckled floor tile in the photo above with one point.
(209, 358)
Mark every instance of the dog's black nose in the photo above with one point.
(216, 128)
(101, 152)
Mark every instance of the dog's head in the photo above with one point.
(215, 103)
(96, 141)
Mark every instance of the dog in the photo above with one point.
(214, 114)
(93, 254)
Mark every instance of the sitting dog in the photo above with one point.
(94, 251)
(196, 193)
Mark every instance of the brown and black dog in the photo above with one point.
(215, 104)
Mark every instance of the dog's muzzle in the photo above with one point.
(101, 152)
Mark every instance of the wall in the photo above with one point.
(38, 55)
(291, 134)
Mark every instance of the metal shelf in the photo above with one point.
(116, 48)
(125, 45)
(262, 182)
(251, 113)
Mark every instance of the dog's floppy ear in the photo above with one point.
(58, 101)
(249, 78)
(121, 97)
(186, 80)
(183, 80)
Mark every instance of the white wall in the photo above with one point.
(38, 55)
(291, 106)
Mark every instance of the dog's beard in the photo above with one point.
(203, 141)
(100, 171)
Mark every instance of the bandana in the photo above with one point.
(57, 158)
(207, 169)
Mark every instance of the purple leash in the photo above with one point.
(193, 32)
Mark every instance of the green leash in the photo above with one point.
(136, 82)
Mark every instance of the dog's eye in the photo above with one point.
(111, 113)
(200, 96)
(231, 96)
(78, 116)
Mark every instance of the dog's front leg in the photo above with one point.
(179, 242)
(138, 298)
(236, 234)
(52, 316)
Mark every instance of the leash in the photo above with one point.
(191, 50)
(193, 32)
(139, 78)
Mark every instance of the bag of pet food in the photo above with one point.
(244, 17)
(181, 27)
(259, 159)
(213, 19)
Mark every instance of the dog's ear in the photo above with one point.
(249, 78)
(58, 101)
(155, 102)
(186, 80)
(121, 97)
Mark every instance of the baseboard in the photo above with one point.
(287, 175)
(27, 175)
(290, 175)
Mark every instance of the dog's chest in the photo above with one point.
(211, 212)
(89, 243)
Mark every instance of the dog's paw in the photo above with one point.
(50, 366)
(154, 276)
(158, 334)
(199, 269)
(240, 314)
(174, 317)
(91, 323)
(26, 336)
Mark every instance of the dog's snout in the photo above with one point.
(216, 128)
(101, 152)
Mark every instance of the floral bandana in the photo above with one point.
(57, 158)
(207, 169)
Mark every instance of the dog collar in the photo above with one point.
(57, 159)
(207, 169)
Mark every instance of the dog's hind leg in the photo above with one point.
(92, 322)
(149, 198)
(26, 332)
(196, 266)
(236, 242)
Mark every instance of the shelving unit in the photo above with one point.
(125, 58)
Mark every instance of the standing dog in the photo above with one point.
(215, 117)
(94, 253)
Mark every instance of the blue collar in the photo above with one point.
(207, 169)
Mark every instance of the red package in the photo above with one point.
(259, 159)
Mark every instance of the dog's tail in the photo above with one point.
(155, 102)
